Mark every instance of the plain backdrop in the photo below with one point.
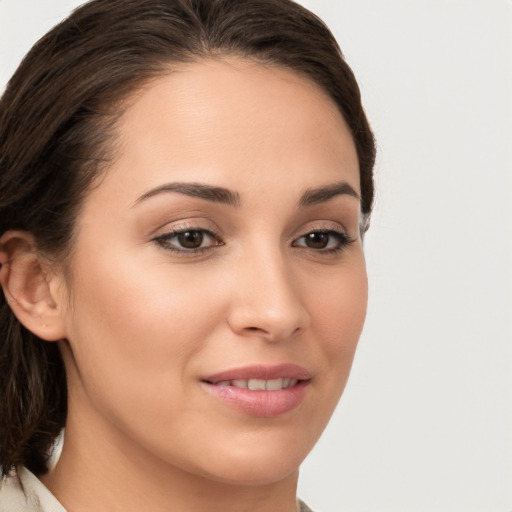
(425, 423)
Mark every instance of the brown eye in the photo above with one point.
(190, 239)
(323, 241)
(318, 240)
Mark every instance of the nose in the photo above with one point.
(266, 300)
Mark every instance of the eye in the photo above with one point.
(323, 240)
(188, 240)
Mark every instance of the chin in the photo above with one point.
(263, 463)
(248, 473)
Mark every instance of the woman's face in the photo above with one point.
(221, 251)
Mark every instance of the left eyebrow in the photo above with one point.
(327, 192)
(207, 192)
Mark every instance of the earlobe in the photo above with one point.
(26, 280)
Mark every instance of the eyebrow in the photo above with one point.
(208, 192)
(225, 196)
(320, 195)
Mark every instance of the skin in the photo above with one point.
(143, 324)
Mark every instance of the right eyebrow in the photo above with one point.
(327, 192)
(208, 192)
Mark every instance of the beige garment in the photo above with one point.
(304, 507)
(24, 492)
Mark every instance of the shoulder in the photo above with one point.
(303, 507)
(22, 491)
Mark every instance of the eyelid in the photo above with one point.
(336, 232)
(344, 239)
(165, 234)
(322, 226)
(191, 224)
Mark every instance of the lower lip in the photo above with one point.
(264, 404)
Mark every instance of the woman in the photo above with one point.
(184, 189)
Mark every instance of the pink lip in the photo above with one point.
(260, 371)
(265, 404)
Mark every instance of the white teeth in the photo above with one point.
(274, 385)
(260, 384)
(256, 384)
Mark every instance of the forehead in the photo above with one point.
(233, 121)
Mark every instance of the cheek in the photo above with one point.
(135, 329)
(341, 308)
(338, 316)
(130, 298)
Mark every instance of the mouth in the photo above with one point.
(259, 384)
(264, 391)
(259, 375)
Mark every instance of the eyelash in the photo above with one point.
(164, 240)
(342, 239)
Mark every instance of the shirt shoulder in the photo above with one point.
(22, 491)
(303, 507)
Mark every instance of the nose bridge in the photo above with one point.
(268, 301)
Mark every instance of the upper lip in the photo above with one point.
(260, 371)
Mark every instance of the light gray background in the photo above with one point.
(426, 421)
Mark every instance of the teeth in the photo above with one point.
(256, 384)
(274, 385)
(260, 384)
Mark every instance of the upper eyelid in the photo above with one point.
(321, 226)
(190, 225)
(171, 233)
(342, 234)
(207, 225)
(180, 231)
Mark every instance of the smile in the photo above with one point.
(260, 384)
(260, 390)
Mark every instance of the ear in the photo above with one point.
(29, 286)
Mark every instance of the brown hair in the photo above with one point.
(57, 117)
